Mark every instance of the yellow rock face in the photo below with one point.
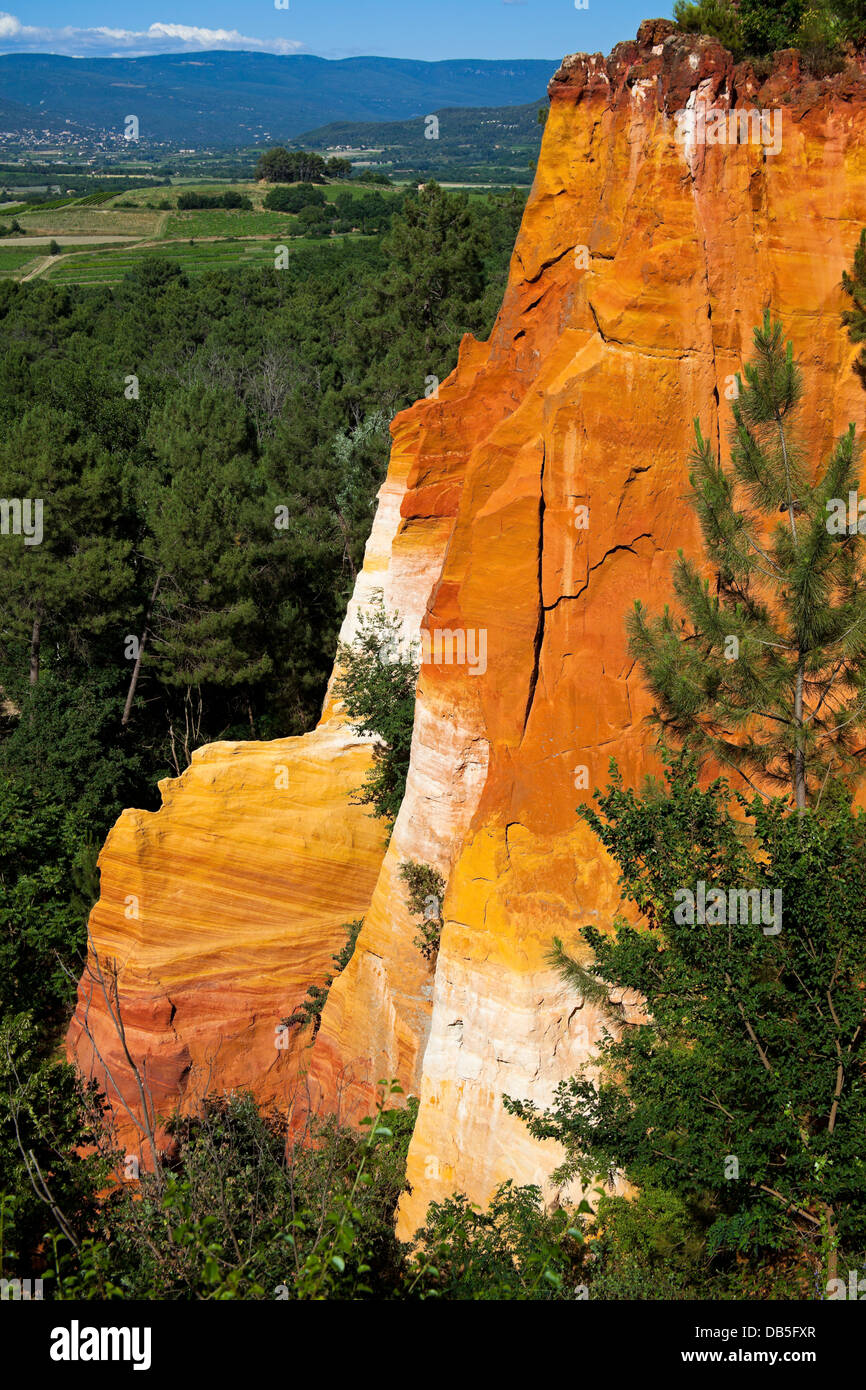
(220, 909)
(532, 502)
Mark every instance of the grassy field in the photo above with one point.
(87, 221)
(223, 237)
(112, 265)
(223, 223)
(152, 197)
(17, 259)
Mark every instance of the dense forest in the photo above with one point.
(246, 408)
(208, 452)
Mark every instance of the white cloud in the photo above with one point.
(16, 37)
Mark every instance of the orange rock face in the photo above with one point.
(526, 508)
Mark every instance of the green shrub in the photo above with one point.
(309, 1011)
(718, 18)
(252, 1207)
(741, 1091)
(512, 1250)
(377, 686)
(426, 892)
(50, 1116)
(756, 29)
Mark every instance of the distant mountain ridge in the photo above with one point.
(475, 144)
(455, 124)
(226, 98)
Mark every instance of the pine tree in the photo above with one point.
(209, 539)
(854, 286)
(431, 289)
(767, 673)
(68, 581)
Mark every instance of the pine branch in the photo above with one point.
(594, 991)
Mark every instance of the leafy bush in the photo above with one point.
(758, 28)
(49, 1172)
(651, 1247)
(230, 199)
(512, 1250)
(279, 165)
(718, 18)
(852, 18)
(377, 686)
(254, 1207)
(766, 27)
(425, 897)
(47, 887)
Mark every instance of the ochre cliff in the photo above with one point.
(642, 265)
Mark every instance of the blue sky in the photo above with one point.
(427, 29)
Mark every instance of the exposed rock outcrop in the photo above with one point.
(532, 502)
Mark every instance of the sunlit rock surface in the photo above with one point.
(541, 493)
